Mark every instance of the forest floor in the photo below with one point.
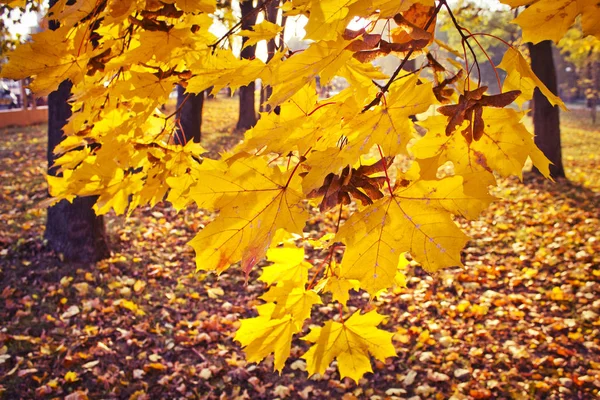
(519, 321)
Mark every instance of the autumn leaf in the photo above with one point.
(291, 300)
(550, 19)
(412, 22)
(288, 265)
(71, 377)
(221, 69)
(255, 201)
(504, 146)
(264, 31)
(262, 336)
(387, 125)
(296, 124)
(47, 61)
(329, 19)
(351, 343)
(354, 183)
(520, 77)
(322, 58)
(340, 287)
(470, 107)
(415, 219)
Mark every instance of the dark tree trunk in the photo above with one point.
(546, 119)
(190, 116)
(592, 97)
(247, 118)
(265, 90)
(72, 229)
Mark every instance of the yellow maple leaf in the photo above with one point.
(288, 265)
(294, 127)
(71, 377)
(291, 300)
(263, 31)
(166, 47)
(47, 58)
(340, 287)
(360, 76)
(521, 77)
(263, 335)
(416, 219)
(146, 85)
(504, 147)
(221, 69)
(328, 19)
(193, 172)
(322, 58)
(255, 201)
(194, 6)
(550, 19)
(350, 343)
(387, 125)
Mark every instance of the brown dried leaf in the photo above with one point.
(433, 63)
(353, 183)
(411, 24)
(368, 42)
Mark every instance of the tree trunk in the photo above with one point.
(190, 116)
(546, 119)
(265, 90)
(247, 118)
(72, 229)
(592, 96)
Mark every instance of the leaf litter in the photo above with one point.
(519, 321)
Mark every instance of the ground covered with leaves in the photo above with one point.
(521, 320)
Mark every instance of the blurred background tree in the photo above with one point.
(583, 55)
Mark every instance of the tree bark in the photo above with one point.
(72, 229)
(265, 90)
(190, 116)
(247, 117)
(546, 120)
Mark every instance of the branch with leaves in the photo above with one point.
(346, 148)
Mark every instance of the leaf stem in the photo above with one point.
(465, 40)
(488, 57)
(326, 261)
(178, 108)
(490, 35)
(320, 106)
(296, 167)
(385, 169)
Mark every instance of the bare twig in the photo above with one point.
(260, 7)
(465, 40)
(385, 88)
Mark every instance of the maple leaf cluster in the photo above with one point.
(125, 56)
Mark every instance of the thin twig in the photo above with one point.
(488, 57)
(465, 40)
(255, 10)
(178, 108)
(384, 89)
